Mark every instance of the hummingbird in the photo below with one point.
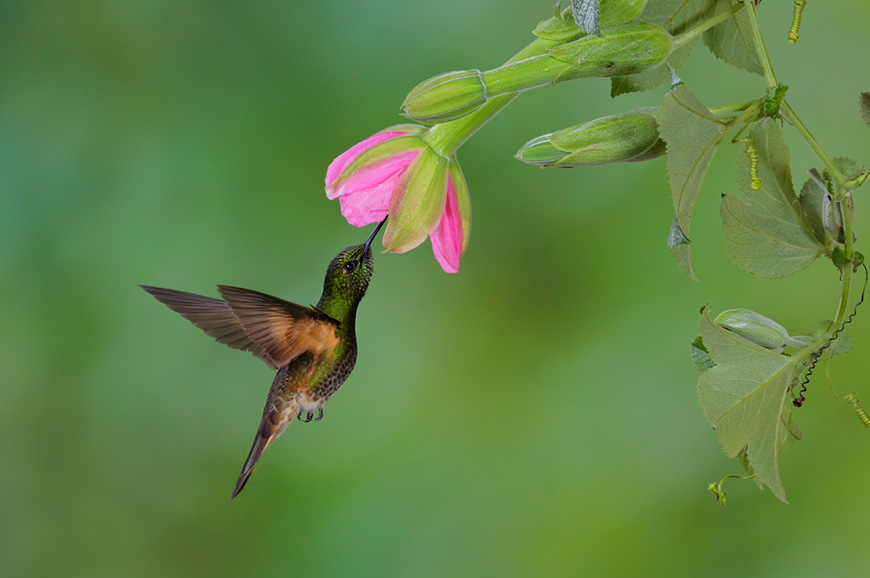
(313, 348)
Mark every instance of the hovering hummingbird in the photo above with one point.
(313, 348)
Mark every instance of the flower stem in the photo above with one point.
(760, 48)
(731, 108)
(690, 35)
(448, 136)
(792, 117)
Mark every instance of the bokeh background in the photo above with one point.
(534, 415)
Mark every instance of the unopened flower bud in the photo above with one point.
(832, 215)
(619, 51)
(756, 328)
(445, 97)
(625, 137)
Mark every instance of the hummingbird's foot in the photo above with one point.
(308, 417)
(319, 415)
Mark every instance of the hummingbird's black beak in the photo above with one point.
(371, 238)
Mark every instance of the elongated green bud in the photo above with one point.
(445, 97)
(621, 50)
(758, 329)
(625, 137)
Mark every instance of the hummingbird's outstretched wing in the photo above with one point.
(282, 330)
(211, 315)
(274, 330)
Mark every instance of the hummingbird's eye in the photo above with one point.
(349, 266)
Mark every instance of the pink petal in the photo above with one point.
(366, 206)
(341, 162)
(366, 195)
(448, 235)
(372, 176)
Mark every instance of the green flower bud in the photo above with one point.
(625, 137)
(621, 50)
(832, 215)
(445, 97)
(755, 328)
(857, 260)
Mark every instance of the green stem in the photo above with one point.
(749, 114)
(760, 48)
(844, 298)
(695, 32)
(731, 108)
(847, 230)
(448, 136)
(792, 117)
(814, 348)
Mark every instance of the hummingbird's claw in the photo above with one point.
(320, 415)
(308, 417)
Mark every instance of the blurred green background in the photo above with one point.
(534, 415)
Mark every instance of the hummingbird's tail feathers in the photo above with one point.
(260, 444)
(213, 316)
(276, 418)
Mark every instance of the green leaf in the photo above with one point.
(864, 107)
(766, 232)
(585, 14)
(842, 344)
(744, 399)
(676, 16)
(732, 40)
(652, 78)
(693, 135)
(700, 356)
(849, 167)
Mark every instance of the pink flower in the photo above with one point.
(395, 173)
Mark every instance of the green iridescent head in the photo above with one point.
(349, 274)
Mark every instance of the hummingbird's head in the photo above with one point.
(348, 275)
(350, 272)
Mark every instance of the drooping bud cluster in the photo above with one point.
(410, 172)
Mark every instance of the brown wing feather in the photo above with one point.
(282, 330)
(213, 316)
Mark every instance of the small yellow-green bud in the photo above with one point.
(857, 260)
(625, 137)
(756, 328)
(445, 97)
